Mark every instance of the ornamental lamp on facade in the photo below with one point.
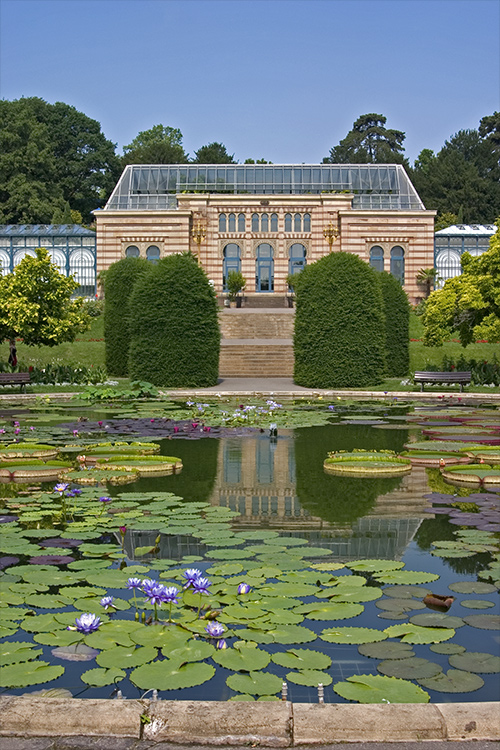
(331, 233)
(198, 233)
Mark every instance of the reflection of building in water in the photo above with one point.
(256, 478)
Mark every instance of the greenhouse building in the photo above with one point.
(268, 221)
(452, 242)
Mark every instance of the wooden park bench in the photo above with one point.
(462, 378)
(15, 378)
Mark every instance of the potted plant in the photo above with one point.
(235, 284)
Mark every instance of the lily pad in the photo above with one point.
(472, 587)
(291, 634)
(75, 652)
(302, 658)
(100, 677)
(255, 683)
(309, 677)
(373, 566)
(476, 661)
(411, 633)
(406, 592)
(13, 652)
(246, 658)
(335, 611)
(29, 673)
(453, 681)
(194, 650)
(122, 657)
(171, 675)
(409, 669)
(447, 648)
(437, 620)
(406, 576)
(477, 603)
(484, 622)
(386, 650)
(368, 688)
(352, 635)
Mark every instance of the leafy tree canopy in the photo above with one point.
(51, 154)
(36, 304)
(464, 177)
(159, 145)
(467, 305)
(447, 219)
(369, 142)
(213, 153)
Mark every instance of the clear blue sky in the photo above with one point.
(277, 79)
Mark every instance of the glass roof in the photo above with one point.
(464, 230)
(45, 230)
(374, 186)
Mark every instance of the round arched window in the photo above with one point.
(132, 252)
(377, 257)
(153, 254)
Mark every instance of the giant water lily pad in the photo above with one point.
(352, 635)
(255, 683)
(171, 675)
(476, 661)
(369, 688)
(453, 681)
(309, 677)
(472, 587)
(122, 657)
(246, 658)
(436, 620)
(302, 658)
(13, 652)
(409, 669)
(406, 576)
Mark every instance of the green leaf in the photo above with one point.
(302, 658)
(415, 634)
(255, 683)
(170, 675)
(309, 677)
(476, 661)
(453, 681)
(352, 635)
(29, 673)
(123, 657)
(101, 677)
(386, 650)
(369, 688)
(409, 669)
(245, 659)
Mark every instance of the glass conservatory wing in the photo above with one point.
(374, 186)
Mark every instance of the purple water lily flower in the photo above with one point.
(106, 602)
(244, 588)
(74, 493)
(105, 499)
(201, 585)
(61, 487)
(170, 594)
(156, 593)
(215, 629)
(191, 575)
(134, 583)
(86, 623)
(221, 644)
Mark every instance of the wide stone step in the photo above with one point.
(248, 358)
(256, 324)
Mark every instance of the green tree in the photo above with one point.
(36, 304)
(445, 220)
(427, 277)
(257, 161)
(397, 325)
(174, 326)
(159, 145)
(464, 177)
(213, 153)
(118, 281)
(467, 305)
(369, 142)
(51, 154)
(339, 338)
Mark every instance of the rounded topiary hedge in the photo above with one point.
(175, 338)
(120, 280)
(397, 325)
(339, 338)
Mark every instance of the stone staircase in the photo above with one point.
(256, 342)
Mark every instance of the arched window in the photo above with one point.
(297, 223)
(82, 268)
(307, 222)
(296, 258)
(222, 222)
(274, 222)
(288, 222)
(232, 223)
(264, 223)
(398, 263)
(132, 252)
(241, 222)
(264, 268)
(4, 262)
(232, 261)
(377, 257)
(153, 254)
(20, 254)
(255, 222)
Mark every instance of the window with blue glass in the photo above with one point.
(241, 222)
(153, 254)
(264, 268)
(297, 223)
(264, 223)
(232, 223)
(398, 263)
(274, 222)
(255, 222)
(231, 261)
(264, 461)
(288, 222)
(307, 223)
(222, 223)
(132, 252)
(377, 257)
(296, 258)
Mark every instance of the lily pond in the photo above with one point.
(308, 550)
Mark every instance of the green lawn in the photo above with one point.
(88, 350)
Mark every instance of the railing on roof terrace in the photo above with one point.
(374, 186)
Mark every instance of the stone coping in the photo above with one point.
(270, 724)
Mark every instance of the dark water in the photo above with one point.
(281, 485)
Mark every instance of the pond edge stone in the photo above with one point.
(273, 724)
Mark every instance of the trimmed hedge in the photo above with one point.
(120, 280)
(339, 338)
(175, 338)
(397, 325)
